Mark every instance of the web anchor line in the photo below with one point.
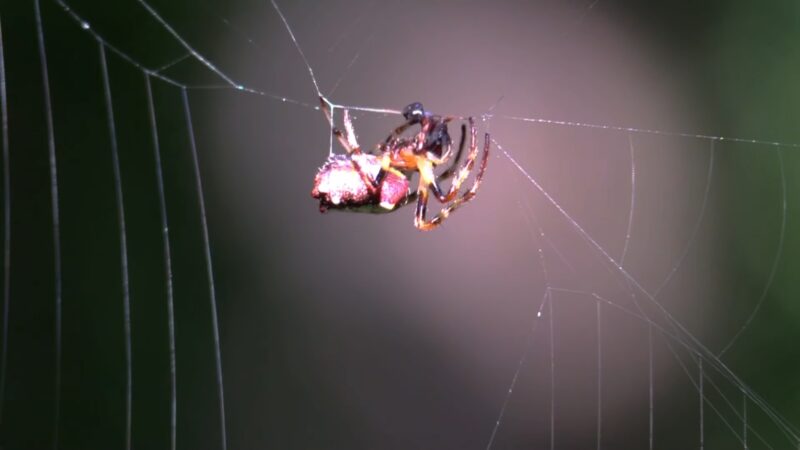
(709, 137)
(185, 44)
(231, 84)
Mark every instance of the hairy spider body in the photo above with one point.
(340, 185)
(379, 182)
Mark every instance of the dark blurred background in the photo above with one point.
(356, 331)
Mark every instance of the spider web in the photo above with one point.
(612, 286)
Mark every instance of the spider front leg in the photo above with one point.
(422, 201)
(350, 144)
(350, 133)
(446, 175)
(429, 178)
(451, 169)
(348, 140)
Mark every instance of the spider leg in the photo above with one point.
(429, 178)
(422, 206)
(350, 133)
(392, 138)
(447, 174)
(420, 220)
(395, 134)
(436, 142)
(350, 144)
(451, 170)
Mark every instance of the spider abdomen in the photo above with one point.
(339, 185)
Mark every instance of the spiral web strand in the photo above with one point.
(681, 334)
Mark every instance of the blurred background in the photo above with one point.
(357, 331)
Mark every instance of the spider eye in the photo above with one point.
(414, 112)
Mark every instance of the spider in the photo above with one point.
(378, 181)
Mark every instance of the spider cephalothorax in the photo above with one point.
(379, 181)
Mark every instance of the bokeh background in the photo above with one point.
(357, 331)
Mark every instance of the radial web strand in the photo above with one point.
(546, 298)
(167, 255)
(212, 291)
(51, 147)
(632, 207)
(650, 408)
(6, 226)
(123, 247)
(599, 379)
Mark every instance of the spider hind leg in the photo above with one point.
(420, 220)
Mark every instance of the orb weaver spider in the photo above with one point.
(379, 181)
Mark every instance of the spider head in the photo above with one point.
(414, 112)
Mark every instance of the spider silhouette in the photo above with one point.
(378, 181)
